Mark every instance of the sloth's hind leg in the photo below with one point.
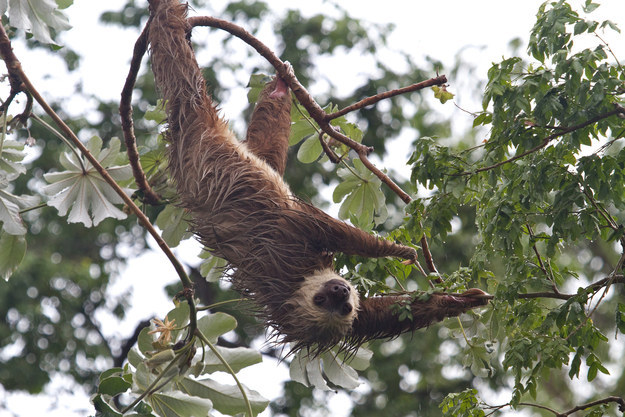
(270, 127)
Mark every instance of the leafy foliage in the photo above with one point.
(82, 191)
(534, 213)
(38, 17)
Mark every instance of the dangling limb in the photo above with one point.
(332, 235)
(270, 127)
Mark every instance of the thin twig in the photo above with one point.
(429, 260)
(440, 80)
(612, 399)
(540, 260)
(545, 142)
(605, 282)
(542, 407)
(125, 111)
(334, 158)
(608, 282)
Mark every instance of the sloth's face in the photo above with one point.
(323, 310)
(334, 296)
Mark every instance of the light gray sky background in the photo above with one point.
(435, 28)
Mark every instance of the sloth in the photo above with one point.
(279, 248)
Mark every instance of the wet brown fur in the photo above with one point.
(245, 213)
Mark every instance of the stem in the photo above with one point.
(153, 387)
(62, 138)
(230, 371)
(4, 132)
(466, 338)
(221, 303)
(38, 206)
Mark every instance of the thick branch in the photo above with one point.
(125, 111)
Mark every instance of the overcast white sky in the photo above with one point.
(436, 28)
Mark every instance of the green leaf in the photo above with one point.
(87, 197)
(177, 404)
(592, 373)
(12, 251)
(111, 372)
(144, 341)
(590, 6)
(315, 375)
(37, 17)
(339, 373)
(212, 267)
(364, 202)
(181, 316)
(350, 130)
(156, 113)
(237, 358)
(10, 206)
(10, 160)
(300, 130)
(256, 84)
(64, 4)
(297, 369)
(143, 409)
(103, 409)
(173, 221)
(620, 317)
(214, 325)
(227, 399)
(576, 363)
(442, 94)
(113, 385)
(359, 360)
(134, 355)
(310, 150)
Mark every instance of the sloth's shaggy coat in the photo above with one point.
(278, 247)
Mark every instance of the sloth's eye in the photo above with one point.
(319, 299)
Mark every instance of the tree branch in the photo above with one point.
(125, 111)
(15, 70)
(612, 399)
(545, 142)
(440, 80)
(322, 118)
(614, 279)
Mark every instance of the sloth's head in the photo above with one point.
(324, 309)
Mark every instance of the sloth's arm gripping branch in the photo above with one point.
(332, 235)
(378, 317)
